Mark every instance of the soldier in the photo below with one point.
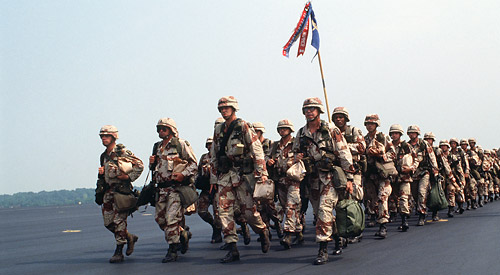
(280, 160)
(207, 195)
(377, 181)
(460, 170)
(267, 209)
(117, 178)
(425, 164)
(168, 153)
(451, 186)
(404, 179)
(356, 142)
(471, 184)
(487, 167)
(475, 162)
(238, 161)
(322, 147)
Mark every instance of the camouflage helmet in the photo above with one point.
(109, 130)
(258, 126)
(372, 118)
(430, 135)
(454, 140)
(396, 128)
(170, 123)
(285, 123)
(218, 121)
(444, 142)
(228, 101)
(209, 140)
(313, 102)
(413, 129)
(341, 111)
(464, 141)
(472, 140)
(487, 152)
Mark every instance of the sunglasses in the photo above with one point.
(161, 128)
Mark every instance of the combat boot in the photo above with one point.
(245, 231)
(299, 239)
(264, 240)
(118, 256)
(372, 221)
(185, 236)
(461, 209)
(279, 231)
(382, 231)
(286, 241)
(421, 219)
(131, 240)
(479, 201)
(338, 245)
(473, 203)
(171, 254)
(435, 216)
(232, 255)
(485, 199)
(491, 198)
(450, 211)
(468, 205)
(322, 257)
(404, 223)
(216, 235)
(393, 217)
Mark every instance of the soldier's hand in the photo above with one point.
(122, 176)
(152, 160)
(372, 151)
(101, 170)
(178, 177)
(406, 169)
(270, 162)
(263, 179)
(348, 187)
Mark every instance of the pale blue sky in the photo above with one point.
(69, 67)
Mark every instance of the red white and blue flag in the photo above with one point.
(302, 30)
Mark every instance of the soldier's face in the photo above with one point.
(429, 140)
(226, 112)
(339, 120)
(163, 131)
(445, 148)
(208, 146)
(464, 146)
(311, 113)
(370, 126)
(413, 136)
(453, 145)
(395, 136)
(284, 132)
(259, 133)
(472, 144)
(107, 139)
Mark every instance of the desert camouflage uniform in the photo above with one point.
(424, 163)
(356, 143)
(116, 221)
(451, 186)
(288, 189)
(404, 179)
(323, 195)
(234, 186)
(455, 159)
(378, 189)
(476, 155)
(169, 213)
(475, 176)
(487, 166)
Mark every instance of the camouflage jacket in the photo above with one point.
(355, 142)
(424, 158)
(401, 150)
(464, 162)
(242, 146)
(110, 162)
(443, 164)
(385, 149)
(283, 156)
(166, 153)
(474, 160)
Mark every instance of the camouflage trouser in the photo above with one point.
(496, 185)
(357, 186)
(379, 203)
(394, 197)
(289, 197)
(371, 200)
(233, 199)
(169, 214)
(451, 192)
(491, 183)
(471, 188)
(325, 223)
(482, 188)
(114, 221)
(420, 190)
(404, 197)
(203, 205)
(267, 210)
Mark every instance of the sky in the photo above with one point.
(69, 67)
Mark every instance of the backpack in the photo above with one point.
(350, 218)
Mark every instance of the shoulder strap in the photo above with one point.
(101, 159)
(274, 148)
(225, 139)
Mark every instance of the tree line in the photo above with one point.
(48, 198)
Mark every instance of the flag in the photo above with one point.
(315, 33)
(299, 30)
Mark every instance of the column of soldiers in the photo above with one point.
(388, 174)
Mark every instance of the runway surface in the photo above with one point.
(73, 240)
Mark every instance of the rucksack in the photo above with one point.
(350, 218)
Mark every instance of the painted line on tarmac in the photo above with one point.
(71, 231)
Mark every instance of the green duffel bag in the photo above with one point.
(338, 177)
(350, 218)
(188, 195)
(125, 202)
(436, 199)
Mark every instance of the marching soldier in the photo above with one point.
(168, 154)
(322, 146)
(238, 161)
(119, 168)
(451, 186)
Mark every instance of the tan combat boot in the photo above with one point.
(131, 240)
(118, 256)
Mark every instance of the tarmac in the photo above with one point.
(73, 240)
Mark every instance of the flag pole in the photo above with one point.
(324, 88)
